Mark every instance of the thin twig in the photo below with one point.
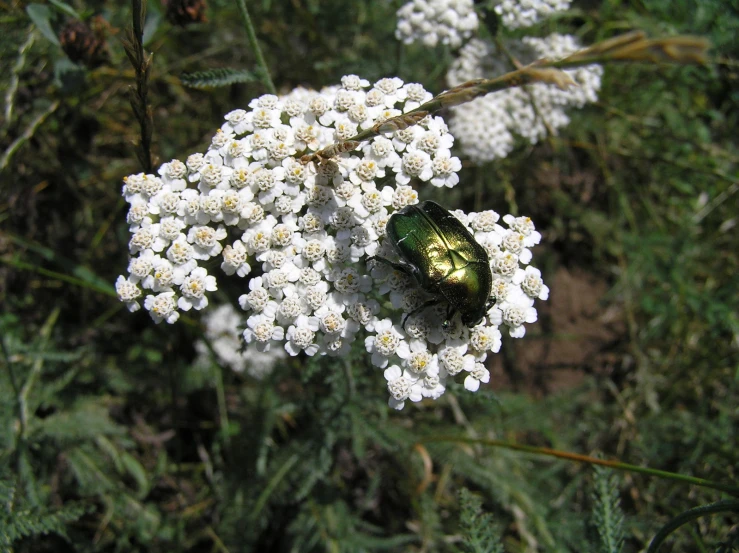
(254, 44)
(631, 47)
(527, 89)
(217, 541)
(713, 204)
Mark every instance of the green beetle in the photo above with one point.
(438, 251)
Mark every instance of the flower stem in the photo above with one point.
(614, 464)
(134, 48)
(252, 36)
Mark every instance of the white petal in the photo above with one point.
(392, 372)
(471, 384)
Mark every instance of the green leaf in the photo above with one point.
(153, 21)
(137, 471)
(65, 8)
(68, 76)
(41, 17)
(215, 78)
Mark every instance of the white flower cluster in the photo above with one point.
(423, 353)
(436, 21)
(515, 14)
(302, 233)
(487, 126)
(222, 329)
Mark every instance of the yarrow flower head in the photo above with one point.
(300, 230)
(222, 327)
(487, 127)
(515, 14)
(436, 21)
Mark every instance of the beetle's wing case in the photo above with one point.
(443, 256)
(455, 236)
(420, 245)
(469, 279)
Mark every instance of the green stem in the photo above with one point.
(252, 36)
(272, 484)
(35, 372)
(15, 77)
(618, 465)
(688, 516)
(220, 392)
(27, 134)
(9, 366)
(18, 264)
(24, 471)
(222, 409)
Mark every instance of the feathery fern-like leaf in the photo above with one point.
(607, 515)
(22, 522)
(479, 533)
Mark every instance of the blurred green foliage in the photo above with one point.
(114, 440)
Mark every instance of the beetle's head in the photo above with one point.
(474, 317)
(468, 320)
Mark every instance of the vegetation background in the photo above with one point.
(113, 439)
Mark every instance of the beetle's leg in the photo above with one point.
(398, 266)
(448, 319)
(424, 305)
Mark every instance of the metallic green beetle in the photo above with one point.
(438, 251)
